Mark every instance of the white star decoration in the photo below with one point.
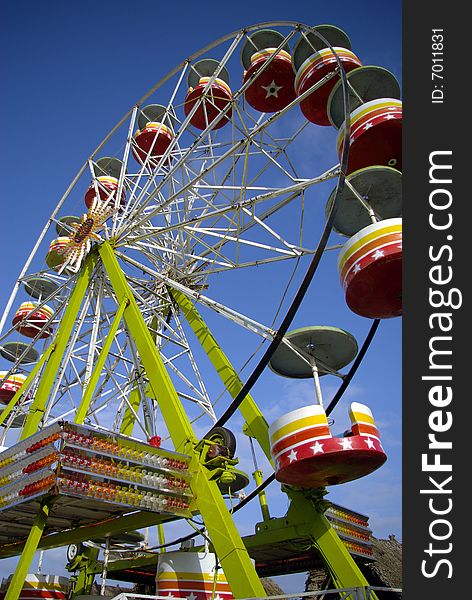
(292, 456)
(272, 89)
(218, 597)
(357, 268)
(192, 596)
(346, 443)
(388, 117)
(369, 442)
(368, 126)
(378, 254)
(317, 447)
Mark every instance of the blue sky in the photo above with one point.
(69, 72)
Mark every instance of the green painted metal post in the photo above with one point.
(228, 544)
(31, 545)
(259, 478)
(257, 426)
(60, 341)
(161, 536)
(137, 520)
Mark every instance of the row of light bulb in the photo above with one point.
(110, 492)
(357, 548)
(346, 516)
(350, 531)
(25, 448)
(122, 471)
(105, 446)
(17, 493)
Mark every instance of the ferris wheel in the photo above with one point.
(194, 230)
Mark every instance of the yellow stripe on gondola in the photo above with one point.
(219, 81)
(310, 421)
(370, 236)
(355, 116)
(362, 418)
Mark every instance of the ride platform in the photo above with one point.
(276, 548)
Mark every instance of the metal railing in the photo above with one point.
(352, 593)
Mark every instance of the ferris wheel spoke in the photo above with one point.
(290, 249)
(161, 249)
(238, 318)
(198, 182)
(293, 191)
(122, 177)
(171, 363)
(62, 367)
(97, 289)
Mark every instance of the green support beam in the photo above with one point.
(228, 544)
(160, 383)
(259, 479)
(61, 339)
(30, 547)
(257, 426)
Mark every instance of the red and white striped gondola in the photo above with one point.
(155, 134)
(370, 263)
(370, 268)
(31, 320)
(314, 61)
(305, 452)
(10, 385)
(191, 575)
(307, 455)
(273, 86)
(212, 98)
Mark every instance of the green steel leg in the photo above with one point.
(134, 400)
(31, 545)
(228, 544)
(259, 478)
(60, 341)
(257, 426)
(95, 376)
(161, 537)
